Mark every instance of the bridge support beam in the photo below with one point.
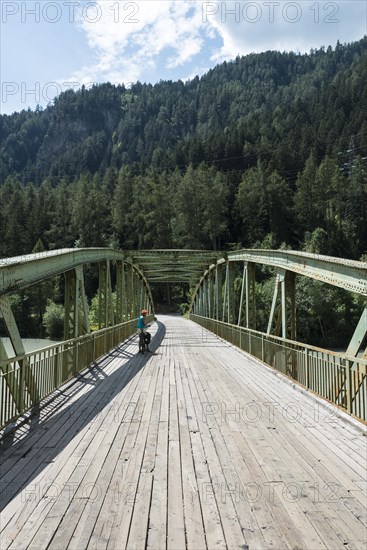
(76, 320)
(283, 315)
(141, 301)
(121, 294)
(211, 297)
(228, 311)
(202, 300)
(225, 295)
(205, 297)
(135, 305)
(145, 300)
(359, 336)
(130, 290)
(247, 307)
(105, 309)
(16, 383)
(218, 285)
(231, 309)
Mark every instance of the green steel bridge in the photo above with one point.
(222, 437)
(26, 378)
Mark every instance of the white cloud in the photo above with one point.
(130, 38)
(135, 40)
(283, 25)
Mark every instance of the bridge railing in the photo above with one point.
(335, 377)
(27, 379)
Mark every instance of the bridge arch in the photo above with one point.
(340, 378)
(23, 379)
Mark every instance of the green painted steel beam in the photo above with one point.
(358, 336)
(180, 265)
(23, 271)
(348, 274)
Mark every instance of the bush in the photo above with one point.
(184, 308)
(53, 320)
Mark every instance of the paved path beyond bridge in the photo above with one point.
(197, 445)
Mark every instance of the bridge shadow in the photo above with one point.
(22, 459)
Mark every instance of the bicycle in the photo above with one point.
(144, 341)
(142, 344)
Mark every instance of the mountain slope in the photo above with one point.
(274, 106)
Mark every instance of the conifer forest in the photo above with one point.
(266, 151)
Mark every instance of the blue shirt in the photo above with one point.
(141, 323)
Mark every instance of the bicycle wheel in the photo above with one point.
(141, 343)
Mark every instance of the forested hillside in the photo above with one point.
(253, 148)
(266, 151)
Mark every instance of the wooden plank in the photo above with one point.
(175, 516)
(157, 530)
(139, 524)
(120, 530)
(230, 522)
(316, 517)
(271, 463)
(210, 515)
(90, 489)
(59, 481)
(138, 535)
(194, 528)
(220, 429)
(52, 521)
(169, 441)
(308, 420)
(87, 520)
(110, 478)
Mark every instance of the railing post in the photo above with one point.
(22, 385)
(307, 369)
(56, 366)
(76, 362)
(348, 375)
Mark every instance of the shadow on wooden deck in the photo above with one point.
(76, 412)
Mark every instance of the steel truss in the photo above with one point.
(132, 294)
(226, 293)
(223, 306)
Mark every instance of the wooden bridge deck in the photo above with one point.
(195, 446)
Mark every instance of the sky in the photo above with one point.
(50, 46)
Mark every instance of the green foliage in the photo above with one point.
(53, 320)
(249, 149)
(200, 208)
(94, 310)
(317, 242)
(184, 308)
(266, 151)
(326, 315)
(264, 205)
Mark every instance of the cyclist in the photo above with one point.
(141, 326)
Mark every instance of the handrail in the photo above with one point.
(333, 376)
(52, 366)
